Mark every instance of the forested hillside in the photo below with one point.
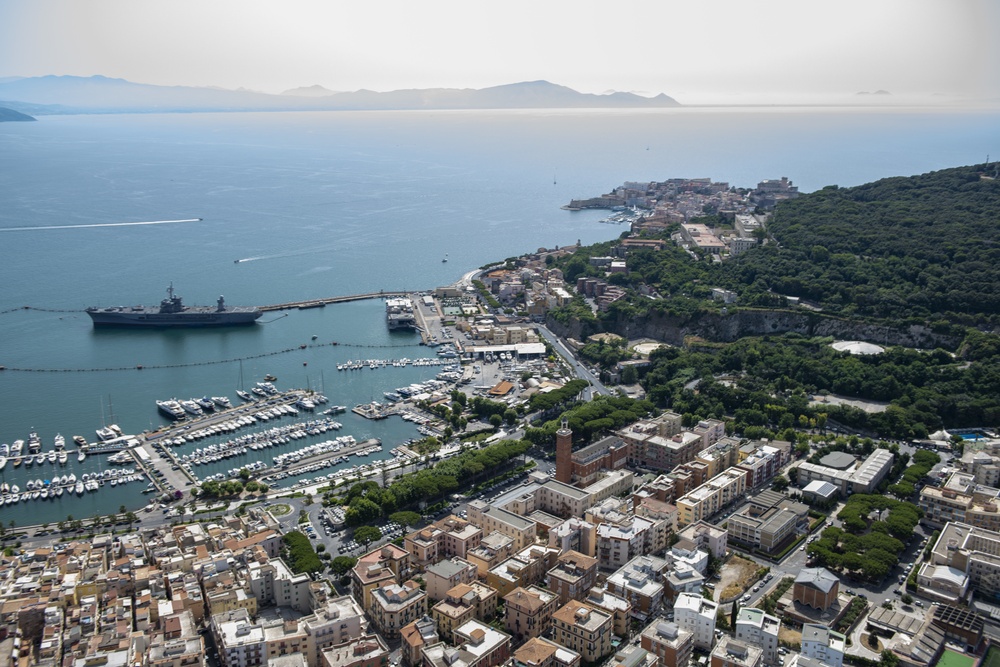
(923, 246)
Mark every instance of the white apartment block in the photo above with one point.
(696, 615)
(704, 501)
(821, 643)
(759, 629)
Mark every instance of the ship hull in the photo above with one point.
(104, 318)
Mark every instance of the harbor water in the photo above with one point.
(323, 204)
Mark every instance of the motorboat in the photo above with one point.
(60, 441)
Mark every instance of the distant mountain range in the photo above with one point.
(100, 94)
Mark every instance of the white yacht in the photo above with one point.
(60, 441)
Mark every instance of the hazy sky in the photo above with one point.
(696, 51)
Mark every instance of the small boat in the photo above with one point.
(62, 457)
(81, 457)
(52, 456)
(60, 442)
(79, 441)
(245, 395)
(59, 492)
(3, 462)
(79, 488)
(222, 401)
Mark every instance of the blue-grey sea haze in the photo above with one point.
(328, 203)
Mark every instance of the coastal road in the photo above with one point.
(581, 371)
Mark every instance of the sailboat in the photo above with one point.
(245, 395)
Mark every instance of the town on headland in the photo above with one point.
(758, 428)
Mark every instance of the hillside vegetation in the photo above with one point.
(920, 249)
(924, 246)
(908, 252)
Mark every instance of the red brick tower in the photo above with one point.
(564, 453)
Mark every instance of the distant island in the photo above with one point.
(99, 94)
(11, 115)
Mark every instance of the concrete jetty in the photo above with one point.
(316, 303)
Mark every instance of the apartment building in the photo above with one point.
(477, 645)
(620, 541)
(446, 574)
(376, 568)
(696, 615)
(715, 494)
(395, 605)
(446, 538)
(821, 643)
(525, 568)
(540, 652)
(363, 651)
(528, 612)
(490, 519)
(585, 629)
(463, 603)
(572, 577)
(574, 534)
(493, 549)
(640, 581)
(669, 642)
(619, 608)
(706, 536)
(757, 628)
(734, 653)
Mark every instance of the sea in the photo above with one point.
(320, 204)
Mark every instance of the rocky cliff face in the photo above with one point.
(742, 323)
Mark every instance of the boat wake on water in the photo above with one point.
(99, 224)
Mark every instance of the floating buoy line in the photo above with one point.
(213, 362)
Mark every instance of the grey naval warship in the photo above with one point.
(172, 313)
